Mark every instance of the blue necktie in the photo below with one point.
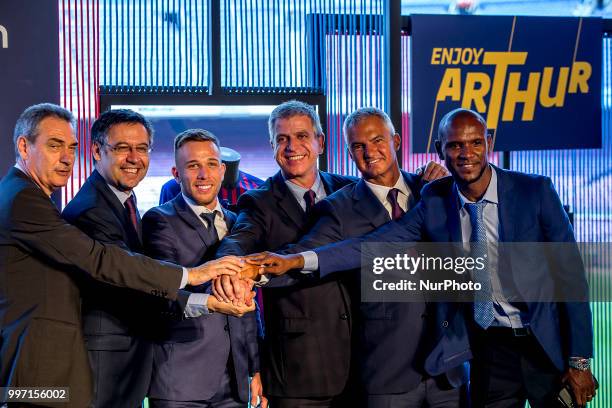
(211, 229)
(483, 303)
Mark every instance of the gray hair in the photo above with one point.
(361, 114)
(27, 124)
(194, 135)
(293, 108)
(447, 121)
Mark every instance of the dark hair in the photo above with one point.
(363, 113)
(100, 128)
(447, 121)
(194, 135)
(293, 108)
(27, 124)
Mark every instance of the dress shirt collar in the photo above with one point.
(299, 191)
(199, 209)
(489, 196)
(381, 192)
(122, 196)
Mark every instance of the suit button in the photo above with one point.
(226, 327)
(344, 316)
(445, 323)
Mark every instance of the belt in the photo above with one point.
(509, 331)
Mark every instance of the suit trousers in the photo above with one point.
(508, 370)
(427, 394)
(224, 398)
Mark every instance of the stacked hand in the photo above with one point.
(228, 265)
(276, 264)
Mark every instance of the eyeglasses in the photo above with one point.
(124, 149)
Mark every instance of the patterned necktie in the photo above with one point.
(396, 210)
(210, 227)
(130, 205)
(309, 197)
(483, 303)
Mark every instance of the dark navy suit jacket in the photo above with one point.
(394, 337)
(306, 352)
(193, 353)
(529, 211)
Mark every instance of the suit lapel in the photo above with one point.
(116, 206)
(415, 184)
(186, 213)
(506, 206)
(366, 204)
(287, 202)
(451, 202)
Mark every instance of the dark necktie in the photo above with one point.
(130, 205)
(396, 210)
(210, 228)
(309, 197)
(483, 303)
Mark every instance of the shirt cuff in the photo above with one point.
(184, 279)
(311, 262)
(263, 280)
(197, 305)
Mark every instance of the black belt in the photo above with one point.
(509, 331)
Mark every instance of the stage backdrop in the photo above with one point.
(536, 80)
(29, 64)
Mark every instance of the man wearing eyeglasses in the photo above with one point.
(119, 324)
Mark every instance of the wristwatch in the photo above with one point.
(579, 363)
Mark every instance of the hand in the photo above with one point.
(257, 391)
(237, 310)
(251, 271)
(276, 264)
(432, 171)
(228, 265)
(581, 383)
(232, 289)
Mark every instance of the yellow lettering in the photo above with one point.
(581, 72)
(514, 96)
(466, 56)
(477, 54)
(501, 60)
(546, 100)
(435, 56)
(457, 58)
(447, 55)
(477, 86)
(450, 86)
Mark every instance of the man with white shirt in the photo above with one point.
(119, 324)
(222, 349)
(389, 335)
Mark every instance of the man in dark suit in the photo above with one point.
(41, 256)
(118, 324)
(393, 337)
(306, 351)
(522, 349)
(222, 348)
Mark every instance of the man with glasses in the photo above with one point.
(118, 324)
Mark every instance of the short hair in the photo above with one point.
(100, 128)
(293, 108)
(28, 121)
(361, 114)
(447, 121)
(194, 135)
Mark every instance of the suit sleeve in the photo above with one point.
(346, 254)
(248, 231)
(557, 228)
(328, 229)
(36, 226)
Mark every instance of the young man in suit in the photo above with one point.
(523, 349)
(306, 351)
(221, 348)
(42, 256)
(118, 324)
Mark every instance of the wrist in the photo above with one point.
(211, 304)
(580, 363)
